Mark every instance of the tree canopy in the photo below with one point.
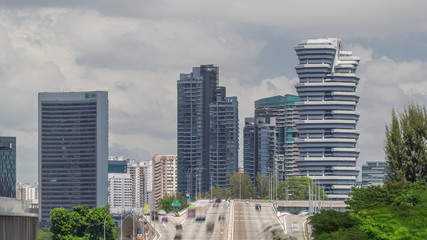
(81, 223)
(297, 188)
(241, 183)
(405, 144)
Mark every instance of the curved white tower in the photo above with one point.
(328, 117)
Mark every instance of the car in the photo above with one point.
(162, 212)
(165, 219)
(218, 200)
(221, 218)
(258, 207)
(247, 202)
(210, 227)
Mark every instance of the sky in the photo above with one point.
(136, 49)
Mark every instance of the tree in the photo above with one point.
(166, 202)
(262, 185)
(297, 188)
(392, 193)
(241, 186)
(328, 221)
(405, 144)
(72, 225)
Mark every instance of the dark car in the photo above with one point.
(258, 207)
(210, 227)
(218, 200)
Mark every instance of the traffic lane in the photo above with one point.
(222, 221)
(239, 225)
(261, 224)
(295, 225)
(197, 230)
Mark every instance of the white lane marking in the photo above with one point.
(304, 224)
(231, 222)
(284, 223)
(294, 227)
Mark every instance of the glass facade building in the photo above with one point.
(283, 109)
(8, 167)
(199, 96)
(73, 150)
(259, 146)
(327, 110)
(224, 140)
(373, 173)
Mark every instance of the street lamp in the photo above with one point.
(104, 224)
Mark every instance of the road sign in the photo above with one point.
(176, 203)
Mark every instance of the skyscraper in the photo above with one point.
(374, 173)
(259, 146)
(328, 117)
(199, 96)
(283, 109)
(224, 140)
(8, 167)
(73, 150)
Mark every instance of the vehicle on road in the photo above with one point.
(258, 207)
(221, 218)
(165, 219)
(162, 212)
(247, 202)
(200, 214)
(210, 227)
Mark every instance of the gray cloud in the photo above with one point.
(136, 50)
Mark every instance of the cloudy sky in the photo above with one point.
(135, 49)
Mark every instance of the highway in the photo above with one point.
(252, 224)
(239, 221)
(295, 225)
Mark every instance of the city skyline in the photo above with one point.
(136, 50)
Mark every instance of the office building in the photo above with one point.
(165, 176)
(199, 95)
(73, 150)
(374, 173)
(8, 167)
(117, 165)
(327, 110)
(259, 146)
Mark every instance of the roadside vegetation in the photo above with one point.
(398, 209)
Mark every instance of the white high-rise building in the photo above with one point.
(327, 109)
(73, 150)
(164, 176)
(141, 175)
(29, 193)
(119, 192)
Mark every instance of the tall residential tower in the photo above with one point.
(204, 114)
(73, 150)
(328, 117)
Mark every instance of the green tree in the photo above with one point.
(166, 202)
(241, 186)
(71, 225)
(392, 193)
(405, 144)
(297, 188)
(44, 235)
(328, 221)
(219, 192)
(262, 185)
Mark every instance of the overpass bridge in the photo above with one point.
(298, 206)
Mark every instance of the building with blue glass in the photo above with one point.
(8, 167)
(204, 114)
(259, 146)
(283, 109)
(73, 150)
(327, 115)
(374, 173)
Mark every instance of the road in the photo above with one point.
(252, 224)
(241, 221)
(199, 230)
(295, 225)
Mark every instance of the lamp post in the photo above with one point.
(104, 224)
